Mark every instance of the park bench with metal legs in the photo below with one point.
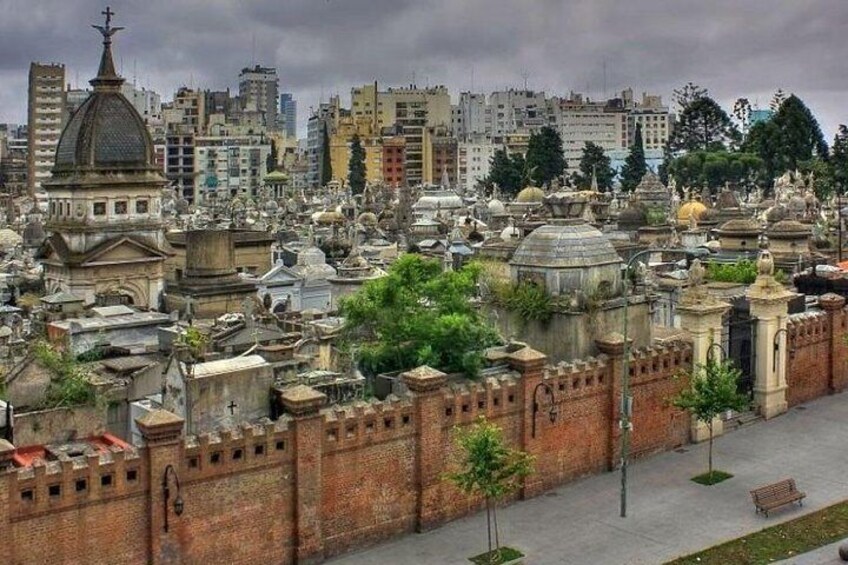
(779, 494)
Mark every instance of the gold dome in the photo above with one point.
(692, 208)
(530, 195)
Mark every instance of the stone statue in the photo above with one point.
(693, 222)
(765, 263)
(697, 272)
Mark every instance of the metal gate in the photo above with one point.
(738, 339)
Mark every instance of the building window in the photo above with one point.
(141, 206)
(120, 207)
(99, 208)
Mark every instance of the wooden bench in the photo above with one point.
(779, 494)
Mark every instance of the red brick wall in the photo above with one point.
(349, 477)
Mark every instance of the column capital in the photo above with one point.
(527, 360)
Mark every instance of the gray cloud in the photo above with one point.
(325, 46)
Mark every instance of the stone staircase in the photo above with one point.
(739, 420)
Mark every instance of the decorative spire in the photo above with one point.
(107, 78)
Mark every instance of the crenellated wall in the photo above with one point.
(817, 354)
(319, 483)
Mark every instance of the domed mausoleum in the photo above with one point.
(106, 240)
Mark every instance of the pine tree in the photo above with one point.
(594, 161)
(703, 125)
(506, 172)
(801, 138)
(839, 159)
(545, 159)
(326, 164)
(634, 166)
(356, 166)
(271, 162)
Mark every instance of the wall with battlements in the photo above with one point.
(817, 355)
(318, 483)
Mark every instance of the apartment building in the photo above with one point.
(227, 167)
(258, 92)
(46, 115)
(288, 114)
(474, 159)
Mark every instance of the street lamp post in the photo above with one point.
(626, 408)
(166, 493)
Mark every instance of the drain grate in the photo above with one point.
(800, 408)
(681, 450)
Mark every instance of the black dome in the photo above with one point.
(105, 132)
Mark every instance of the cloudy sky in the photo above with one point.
(320, 47)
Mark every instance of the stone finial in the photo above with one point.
(765, 263)
(160, 425)
(830, 302)
(424, 379)
(302, 400)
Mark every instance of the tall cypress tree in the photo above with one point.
(326, 164)
(634, 166)
(356, 166)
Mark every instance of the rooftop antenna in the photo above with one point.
(134, 73)
(472, 78)
(525, 75)
(605, 78)
(253, 51)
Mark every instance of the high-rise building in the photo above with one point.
(46, 114)
(288, 114)
(474, 158)
(184, 120)
(147, 103)
(229, 166)
(472, 117)
(258, 88)
(517, 111)
(412, 109)
(325, 118)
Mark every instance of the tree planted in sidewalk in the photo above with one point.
(713, 390)
(491, 469)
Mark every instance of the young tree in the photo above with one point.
(271, 162)
(326, 165)
(713, 390)
(419, 315)
(545, 158)
(634, 166)
(507, 172)
(356, 166)
(491, 469)
(594, 161)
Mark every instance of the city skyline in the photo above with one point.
(325, 48)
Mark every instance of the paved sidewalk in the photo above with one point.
(668, 514)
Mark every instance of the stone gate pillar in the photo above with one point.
(426, 384)
(531, 364)
(304, 404)
(7, 452)
(612, 345)
(837, 373)
(162, 433)
(770, 306)
(701, 315)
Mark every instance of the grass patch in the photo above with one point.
(783, 541)
(496, 556)
(713, 478)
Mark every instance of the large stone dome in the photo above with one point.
(106, 132)
(568, 255)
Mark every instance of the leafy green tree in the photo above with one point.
(764, 141)
(594, 160)
(418, 315)
(715, 168)
(326, 164)
(634, 166)
(508, 172)
(688, 93)
(491, 469)
(703, 125)
(714, 390)
(545, 158)
(356, 166)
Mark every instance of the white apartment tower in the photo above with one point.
(46, 115)
(258, 92)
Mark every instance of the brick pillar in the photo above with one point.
(769, 305)
(531, 364)
(701, 315)
(304, 404)
(7, 451)
(426, 385)
(162, 433)
(837, 371)
(612, 345)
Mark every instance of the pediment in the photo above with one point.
(123, 250)
(279, 274)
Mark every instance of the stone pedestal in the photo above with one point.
(701, 315)
(612, 345)
(769, 305)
